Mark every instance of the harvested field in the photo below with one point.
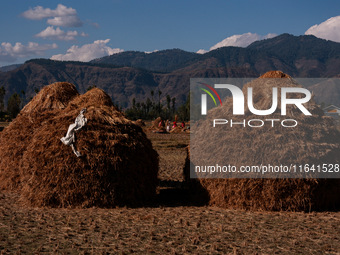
(172, 153)
(173, 224)
(164, 228)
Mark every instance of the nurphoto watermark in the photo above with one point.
(262, 128)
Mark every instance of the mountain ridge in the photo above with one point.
(132, 74)
(301, 56)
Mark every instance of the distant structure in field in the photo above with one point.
(333, 111)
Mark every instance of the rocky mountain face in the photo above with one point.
(121, 83)
(299, 56)
(134, 74)
(161, 61)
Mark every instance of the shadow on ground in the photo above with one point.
(177, 193)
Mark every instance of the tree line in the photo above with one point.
(14, 104)
(148, 109)
(153, 108)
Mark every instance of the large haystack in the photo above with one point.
(14, 139)
(314, 141)
(118, 166)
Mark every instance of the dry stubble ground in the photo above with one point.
(171, 226)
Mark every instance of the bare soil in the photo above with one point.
(173, 225)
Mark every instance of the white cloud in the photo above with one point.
(40, 12)
(329, 29)
(61, 16)
(10, 53)
(202, 51)
(58, 34)
(68, 21)
(241, 40)
(149, 52)
(88, 52)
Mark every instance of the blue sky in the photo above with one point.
(150, 25)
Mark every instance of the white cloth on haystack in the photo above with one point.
(70, 138)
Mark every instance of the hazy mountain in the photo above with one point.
(9, 68)
(299, 56)
(134, 74)
(163, 61)
(307, 55)
(121, 83)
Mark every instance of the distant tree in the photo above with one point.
(91, 87)
(138, 105)
(2, 96)
(184, 110)
(23, 97)
(13, 105)
(159, 101)
(173, 104)
(152, 94)
(148, 110)
(168, 102)
(134, 102)
(322, 105)
(143, 106)
(148, 105)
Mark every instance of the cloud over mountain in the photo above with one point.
(61, 16)
(88, 52)
(58, 34)
(242, 40)
(10, 53)
(329, 29)
(201, 51)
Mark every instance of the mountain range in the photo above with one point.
(133, 74)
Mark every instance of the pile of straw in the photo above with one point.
(118, 166)
(314, 141)
(140, 123)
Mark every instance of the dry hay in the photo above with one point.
(156, 128)
(118, 166)
(155, 123)
(314, 141)
(140, 123)
(176, 130)
(275, 74)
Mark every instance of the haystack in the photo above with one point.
(314, 141)
(155, 123)
(155, 128)
(118, 166)
(140, 123)
(176, 130)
